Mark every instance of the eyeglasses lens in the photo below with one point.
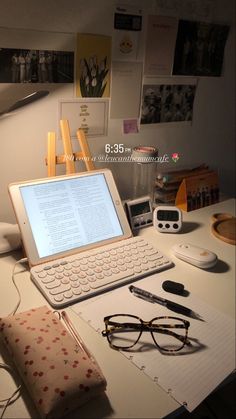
(123, 331)
(168, 333)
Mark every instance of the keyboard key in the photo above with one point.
(92, 265)
(99, 276)
(113, 264)
(47, 280)
(85, 288)
(83, 281)
(137, 263)
(58, 298)
(92, 278)
(68, 266)
(75, 284)
(67, 273)
(113, 252)
(107, 273)
(74, 277)
(141, 244)
(90, 272)
(76, 264)
(42, 274)
(83, 261)
(54, 284)
(77, 291)
(58, 276)
(51, 271)
(123, 268)
(68, 294)
(60, 290)
(98, 270)
(99, 262)
(65, 281)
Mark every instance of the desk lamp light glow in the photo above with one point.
(9, 233)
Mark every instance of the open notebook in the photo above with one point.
(189, 375)
(64, 221)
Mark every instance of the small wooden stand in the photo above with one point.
(224, 227)
(69, 157)
(198, 191)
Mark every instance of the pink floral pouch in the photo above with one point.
(58, 373)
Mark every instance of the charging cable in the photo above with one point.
(9, 400)
(15, 394)
(23, 260)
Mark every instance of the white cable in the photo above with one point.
(15, 285)
(16, 393)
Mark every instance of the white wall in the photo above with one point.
(210, 139)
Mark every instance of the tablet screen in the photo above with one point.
(70, 213)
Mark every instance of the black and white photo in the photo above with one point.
(199, 49)
(36, 66)
(167, 103)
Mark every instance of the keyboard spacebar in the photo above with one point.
(113, 278)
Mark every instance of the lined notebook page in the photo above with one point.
(189, 375)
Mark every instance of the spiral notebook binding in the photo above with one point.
(171, 394)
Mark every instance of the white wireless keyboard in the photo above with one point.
(69, 280)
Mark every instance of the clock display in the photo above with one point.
(167, 215)
(139, 209)
(114, 148)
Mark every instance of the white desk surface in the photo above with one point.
(131, 394)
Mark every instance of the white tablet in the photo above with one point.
(68, 214)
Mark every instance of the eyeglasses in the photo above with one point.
(123, 331)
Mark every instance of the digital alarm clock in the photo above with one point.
(167, 219)
(139, 212)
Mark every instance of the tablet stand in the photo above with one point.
(69, 157)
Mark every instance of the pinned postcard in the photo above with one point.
(93, 65)
(127, 28)
(91, 115)
(160, 45)
(130, 126)
(126, 85)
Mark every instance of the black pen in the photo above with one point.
(171, 305)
